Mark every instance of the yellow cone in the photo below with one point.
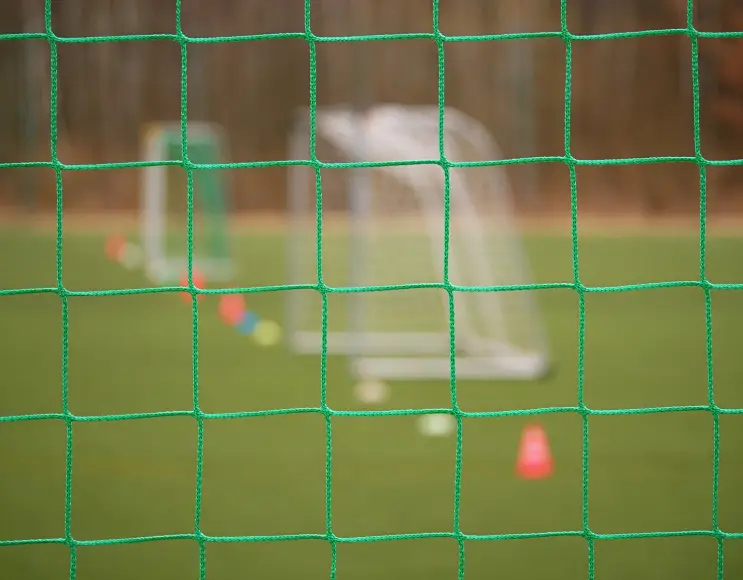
(267, 333)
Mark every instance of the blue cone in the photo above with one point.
(248, 323)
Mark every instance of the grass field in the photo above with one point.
(650, 472)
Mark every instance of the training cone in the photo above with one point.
(198, 281)
(534, 459)
(247, 323)
(231, 308)
(115, 246)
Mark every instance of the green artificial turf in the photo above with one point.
(266, 475)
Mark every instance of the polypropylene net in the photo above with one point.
(324, 290)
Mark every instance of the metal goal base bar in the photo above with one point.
(413, 360)
(506, 368)
(376, 343)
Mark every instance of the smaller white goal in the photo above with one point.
(385, 226)
(163, 211)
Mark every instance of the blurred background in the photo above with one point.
(107, 91)
(663, 347)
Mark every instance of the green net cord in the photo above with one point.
(456, 533)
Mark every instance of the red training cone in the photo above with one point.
(534, 459)
(115, 246)
(198, 281)
(231, 308)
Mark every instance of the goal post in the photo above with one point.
(163, 210)
(385, 227)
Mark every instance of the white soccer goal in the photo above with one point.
(163, 216)
(385, 226)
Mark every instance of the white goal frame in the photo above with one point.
(408, 355)
(160, 267)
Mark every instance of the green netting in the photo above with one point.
(199, 416)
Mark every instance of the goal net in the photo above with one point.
(384, 226)
(164, 208)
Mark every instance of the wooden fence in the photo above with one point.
(630, 97)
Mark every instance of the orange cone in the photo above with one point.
(534, 459)
(198, 281)
(231, 308)
(115, 246)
